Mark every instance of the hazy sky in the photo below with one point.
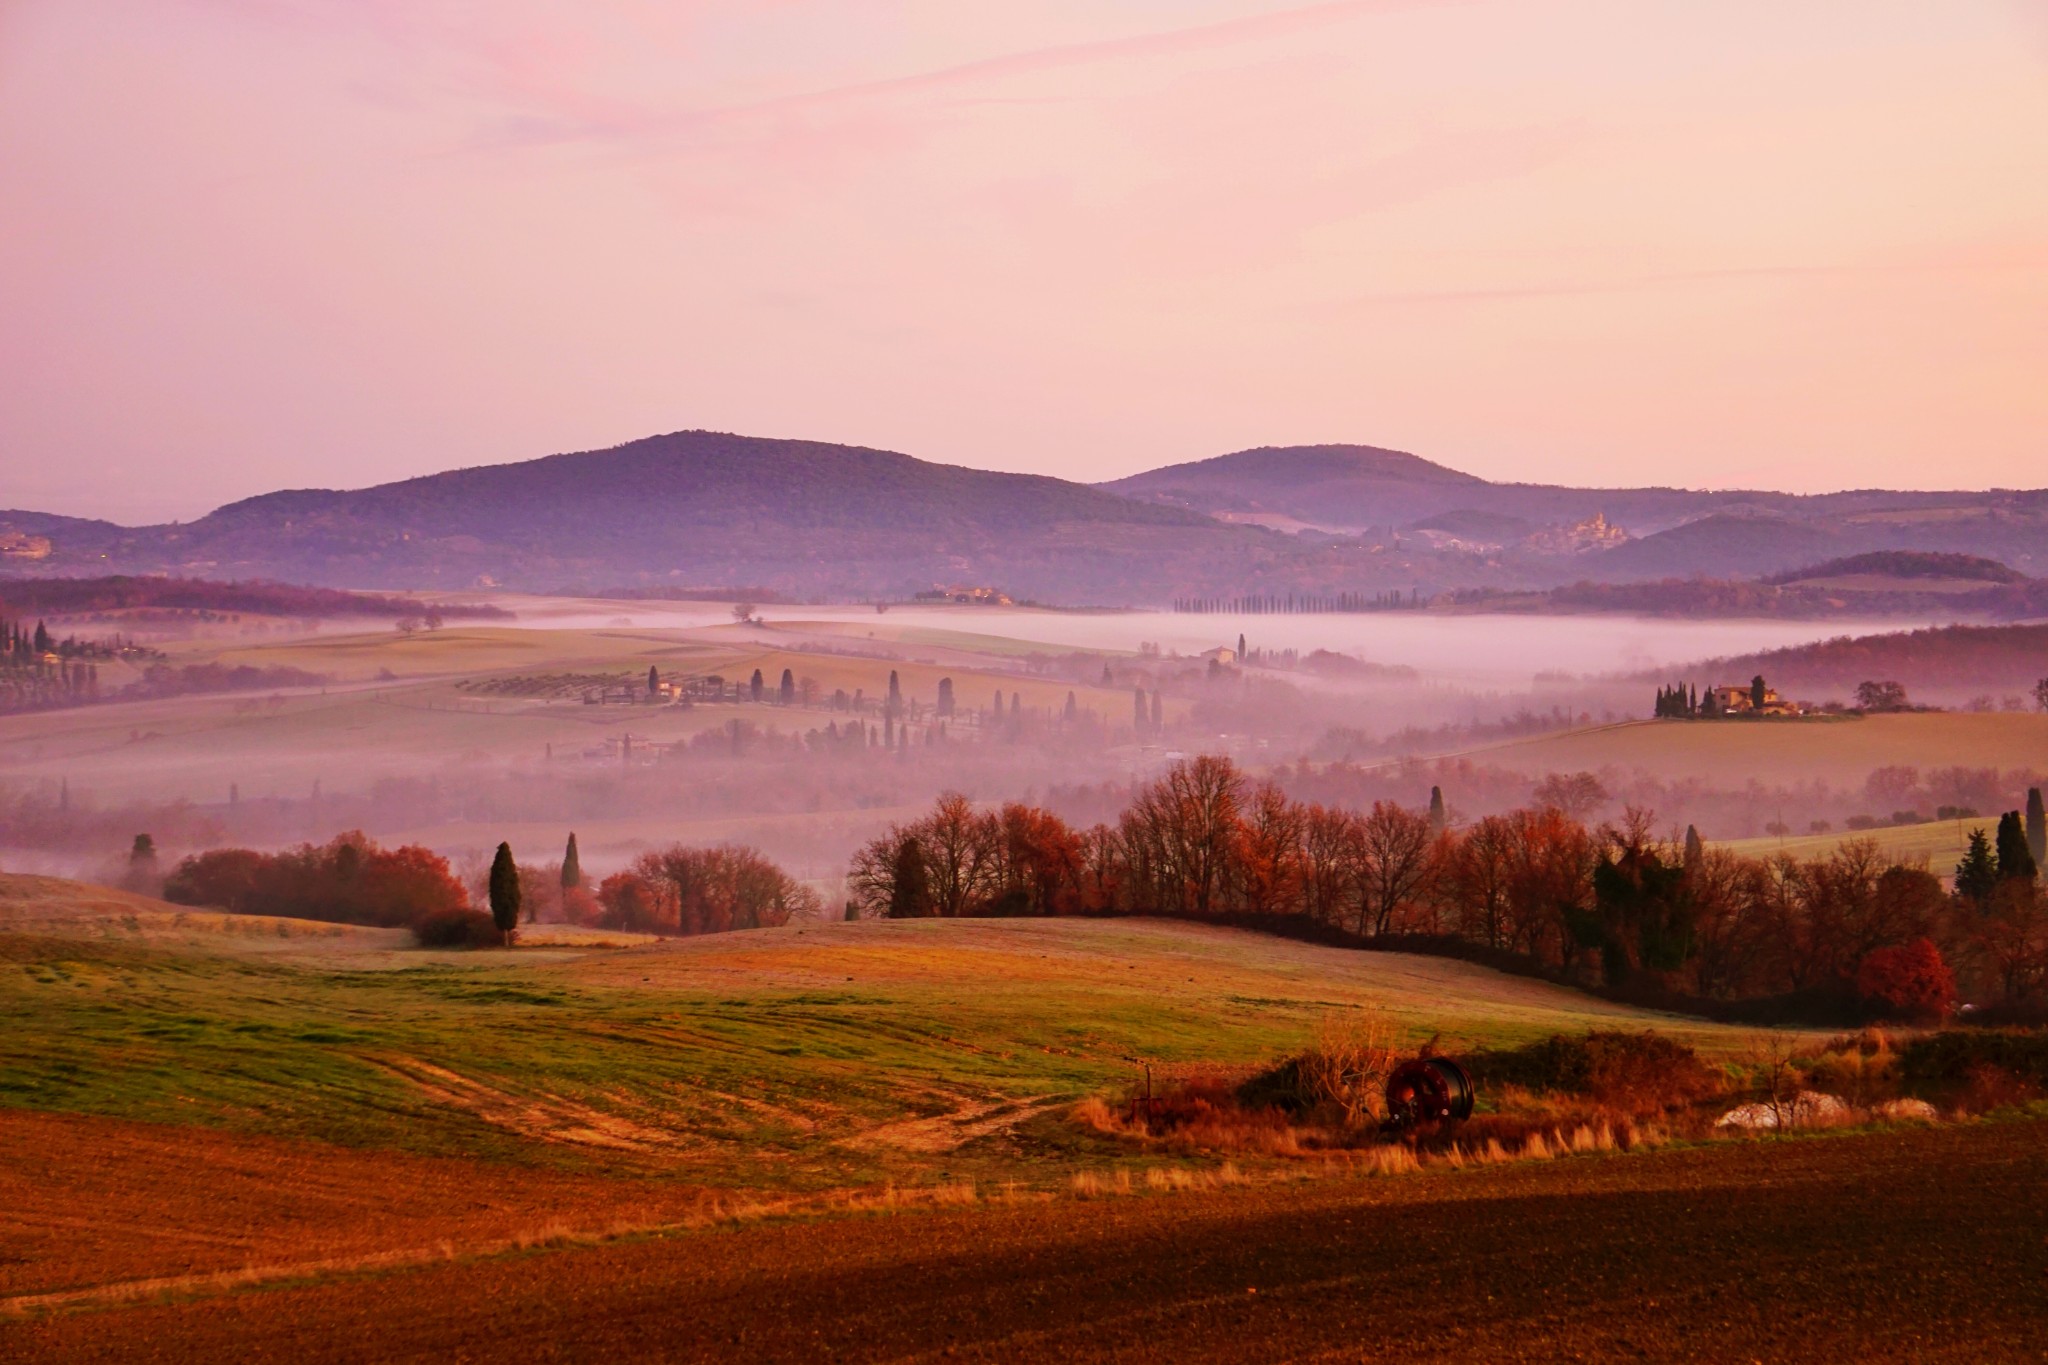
(248, 244)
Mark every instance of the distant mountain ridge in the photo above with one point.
(689, 507)
(809, 519)
(1371, 490)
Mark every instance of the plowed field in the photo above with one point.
(1925, 1245)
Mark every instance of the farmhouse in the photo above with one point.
(1741, 701)
(978, 595)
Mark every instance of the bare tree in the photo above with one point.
(1392, 864)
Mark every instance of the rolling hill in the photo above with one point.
(694, 508)
(1336, 487)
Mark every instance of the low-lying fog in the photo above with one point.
(1484, 651)
(448, 751)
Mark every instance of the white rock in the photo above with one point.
(1807, 1109)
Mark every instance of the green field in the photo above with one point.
(1938, 843)
(812, 1056)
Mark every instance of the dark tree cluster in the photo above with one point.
(39, 672)
(123, 592)
(1609, 903)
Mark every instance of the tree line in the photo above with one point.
(1611, 904)
(351, 879)
(1303, 604)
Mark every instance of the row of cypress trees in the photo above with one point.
(505, 895)
(2015, 853)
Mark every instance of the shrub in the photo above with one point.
(1909, 981)
(1340, 1080)
(1862, 1078)
(1635, 1073)
(456, 929)
(1953, 1060)
(1988, 1087)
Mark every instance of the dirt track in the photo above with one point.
(1910, 1246)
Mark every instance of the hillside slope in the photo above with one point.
(699, 508)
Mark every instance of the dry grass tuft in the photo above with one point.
(1159, 1179)
(1347, 1068)
(1391, 1160)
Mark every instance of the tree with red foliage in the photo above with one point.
(631, 901)
(349, 880)
(1909, 981)
(1038, 861)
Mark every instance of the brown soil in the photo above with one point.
(87, 1203)
(1920, 1245)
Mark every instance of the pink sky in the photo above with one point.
(248, 245)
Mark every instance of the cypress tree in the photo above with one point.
(1756, 692)
(1439, 819)
(1138, 711)
(945, 707)
(42, 639)
(572, 865)
(2015, 859)
(754, 685)
(1977, 873)
(1158, 715)
(504, 889)
(895, 692)
(1695, 847)
(653, 680)
(787, 692)
(142, 873)
(1073, 710)
(2037, 827)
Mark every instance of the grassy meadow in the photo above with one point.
(816, 1055)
